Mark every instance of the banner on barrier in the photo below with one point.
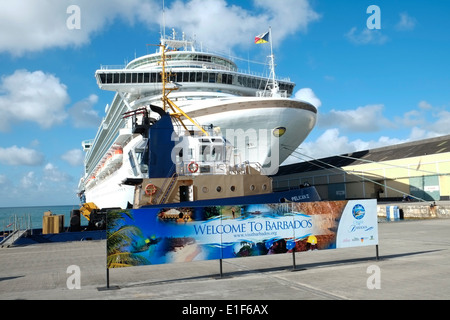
(157, 235)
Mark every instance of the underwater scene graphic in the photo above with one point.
(150, 235)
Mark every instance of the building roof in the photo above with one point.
(394, 152)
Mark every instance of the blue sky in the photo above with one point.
(373, 87)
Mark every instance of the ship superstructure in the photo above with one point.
(208, 95)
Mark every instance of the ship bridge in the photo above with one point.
(187, 79)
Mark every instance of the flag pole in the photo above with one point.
(272, 62)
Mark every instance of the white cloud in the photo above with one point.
(442, 125)
(53, 174)
(308, 95)
(83, 115)
(425, 105)
(425, 122)
(74, 157)
(32, 96)
(37, 25)
(28, 181)
(15, 156)
(3, 179)
(411, 118)
(332, 143)
(366, 36)
(222, 26)
(406, 23)
(357, 120)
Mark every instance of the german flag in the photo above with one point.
(262, 38)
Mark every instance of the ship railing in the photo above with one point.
(112, 67)
(244, 167)
(216, 168)
(203, 168)
(168, 189)
(270, 94)
(17, 227)
(192, 130)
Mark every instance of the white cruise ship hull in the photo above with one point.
(260, 118)
(250, 122)
(110, 192)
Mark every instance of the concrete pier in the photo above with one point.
(414, 264)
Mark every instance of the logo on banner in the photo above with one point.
(358, 211)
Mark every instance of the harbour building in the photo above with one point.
(415, 171)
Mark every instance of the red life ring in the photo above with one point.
(193, 167)
(150, 189)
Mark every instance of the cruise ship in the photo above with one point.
(254, 119)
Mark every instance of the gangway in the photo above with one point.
(13, 237)
(20, 226)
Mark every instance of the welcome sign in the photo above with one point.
(167, 235)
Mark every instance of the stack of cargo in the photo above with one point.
(52, 223)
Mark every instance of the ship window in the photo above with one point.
(134, 77)
(146, 77)
(205, 77)
(199, 77)
(204, 58)
(128, 78)
(179, 77)
(102, 77)
(216, 154)
(204, 156)
(192, 77)
(132, 163)
(291, 89)
(122, 78)
(212, 77)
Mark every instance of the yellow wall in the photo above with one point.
(362, 180)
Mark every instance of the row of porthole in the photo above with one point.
(233, 188)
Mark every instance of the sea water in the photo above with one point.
(25, 215)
